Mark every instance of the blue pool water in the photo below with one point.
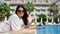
(48, 30)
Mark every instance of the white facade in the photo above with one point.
(41, 6)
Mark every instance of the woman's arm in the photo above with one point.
(27, 26)
(29, 18)
(19, 31)
(30, 22)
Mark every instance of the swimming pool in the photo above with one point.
(48, 29)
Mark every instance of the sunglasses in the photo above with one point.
(20, 10)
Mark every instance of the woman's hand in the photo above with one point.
(29, 18)
(34, 27)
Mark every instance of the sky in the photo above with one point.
(1, 1)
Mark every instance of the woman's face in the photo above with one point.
(20, 12)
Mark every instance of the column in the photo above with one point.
(47, 19)
(52, 19)
(41, 20)
(58, 19)
(5, 18)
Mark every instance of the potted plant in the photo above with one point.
(4, 11)
(56, 19)
(49, 19)
(43, 16)
(29, 7)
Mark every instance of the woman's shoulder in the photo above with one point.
(13, 16)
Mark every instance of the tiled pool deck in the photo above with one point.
(45, 29)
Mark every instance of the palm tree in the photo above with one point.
(29, 6)
(4, 11)
(53, 9)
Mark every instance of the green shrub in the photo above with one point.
(56, 19)
(49, 19)
(4, 10)
(43, 16)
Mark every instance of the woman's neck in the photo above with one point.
(19, 16)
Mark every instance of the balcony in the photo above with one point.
(35, 2)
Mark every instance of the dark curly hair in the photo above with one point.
(25, 14)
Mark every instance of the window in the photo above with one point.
(7, 0)
(37, 10)
(51, 1)
(22, 0)
(39, 1)
(43, 10)
(47, 1)
(14, 0)
(57, 0)
(34, 0)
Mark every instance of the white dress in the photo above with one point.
(15, 22)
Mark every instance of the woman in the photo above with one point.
(20, 20)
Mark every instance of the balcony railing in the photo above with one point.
(33, 1)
